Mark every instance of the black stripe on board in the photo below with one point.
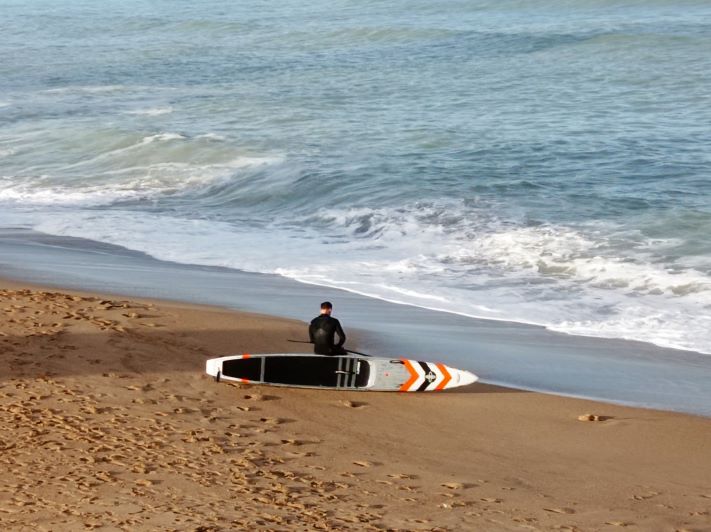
(425, 383)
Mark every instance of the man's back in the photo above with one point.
(322, 331)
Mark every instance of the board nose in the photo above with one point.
(466, 377)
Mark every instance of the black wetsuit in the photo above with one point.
(322, 333)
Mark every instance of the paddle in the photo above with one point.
(346, 350)
(357, 353)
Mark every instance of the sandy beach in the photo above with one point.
(109, 422)
(520, 190)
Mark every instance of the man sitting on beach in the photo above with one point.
(322, 333)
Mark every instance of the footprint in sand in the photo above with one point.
(275, 420)
(455, 485)
(298, 443)
(644, 496)
(299, 454)
(352, 404)
(184, 410)
(174, 397)
(618, 523)
(560, 510)
(363, 463)
(260, 397)
(593, 417)
(402, 476)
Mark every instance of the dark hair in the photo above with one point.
(326, 304)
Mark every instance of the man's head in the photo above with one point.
(326, 308)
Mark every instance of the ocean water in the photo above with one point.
(546, 162)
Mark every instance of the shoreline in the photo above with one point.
(506, 353)
(112, 422)
(298, 328)
(18, 284)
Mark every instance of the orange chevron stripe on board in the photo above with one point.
(446, 374)
(413, 375)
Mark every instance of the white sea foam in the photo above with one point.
(557, 277)
(90, 89)
(561, 253)
(162, 137)
(151, 111)
(133, 183)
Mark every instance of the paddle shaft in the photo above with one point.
(346, 350)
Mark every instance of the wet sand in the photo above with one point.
(109, 422)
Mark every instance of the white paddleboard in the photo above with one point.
(350, 372)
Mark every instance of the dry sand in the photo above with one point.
(107, 421)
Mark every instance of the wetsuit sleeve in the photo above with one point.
(340, 333)
(311, 332)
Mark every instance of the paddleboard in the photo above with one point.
(338, 373)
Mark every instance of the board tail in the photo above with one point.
(213, 366)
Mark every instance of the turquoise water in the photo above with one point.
(541, 162)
